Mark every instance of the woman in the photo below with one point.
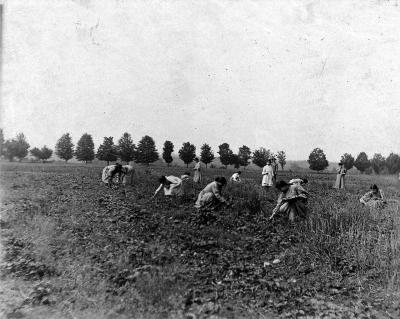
(341, 173)
(172, 185)
(211, 196)
(291, 201)
(197, 171)
(375, 198)
(186, 184)
(236, 177)
(110, 172)
(268, 175)
(274, 169)
(127, 172)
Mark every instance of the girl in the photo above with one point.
(197, 172)
(211, 196)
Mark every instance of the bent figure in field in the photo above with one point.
(341, 173)
(298, 181)
(291, 201)
(110, 172)
(126, 175)
(268, 174)
(211, 196)
(172, 185)
(375, 198)
(236, 177)
(197, 171)
(186, 183)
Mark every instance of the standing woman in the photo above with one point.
(197, 172)
(275, 169)
(341, 173)
(268, 174)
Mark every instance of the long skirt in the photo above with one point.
(197, 177)
(339, 184)
(267, 180)
(206, 200)
(295, 208)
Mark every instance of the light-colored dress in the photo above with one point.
(341, 173)
(209, 195)
(107, 173)
(175, 188)
(127, 171)
(372, 200)
(197, 173)
(268, 174)
(292, 202)
(186, 185)
(235, 178)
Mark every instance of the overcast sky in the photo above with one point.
(286, 75)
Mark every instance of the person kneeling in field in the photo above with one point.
(172, 185)
(127, 172)
(110, 172)
(375, 198)
(298, 181)
(186, 184)
(291, 201)
(211, 196)
(236, 177)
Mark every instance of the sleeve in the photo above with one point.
(158, 189)
(365, 198)
(382, 195)
(264, 171)
(301, 191)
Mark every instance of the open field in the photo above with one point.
(86, 251)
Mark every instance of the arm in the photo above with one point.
(365, 198)
(157, 190)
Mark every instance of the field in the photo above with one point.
(79, 250)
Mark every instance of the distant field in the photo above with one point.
(106, 256)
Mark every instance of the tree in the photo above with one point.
(187, 153)
(1, 142)
(281, 155)
(35, 152)
(167, 151)
(107, 151)
(85, 148)
(244, 155)
(235, 160)
(225, 154)
(17, 147)
(45, 153)
(378, 163)
(146, 151)
(362, 162)
(206, 155)
(347, 160)
(261, 156)
(393, 163)
(126, 148)
(317, 160)
(65, 147)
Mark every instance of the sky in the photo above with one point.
(287, 75)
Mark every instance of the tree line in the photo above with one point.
(145, 152)
(377, 164)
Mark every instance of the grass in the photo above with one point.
(107, 255)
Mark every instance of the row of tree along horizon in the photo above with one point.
(145, 152)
